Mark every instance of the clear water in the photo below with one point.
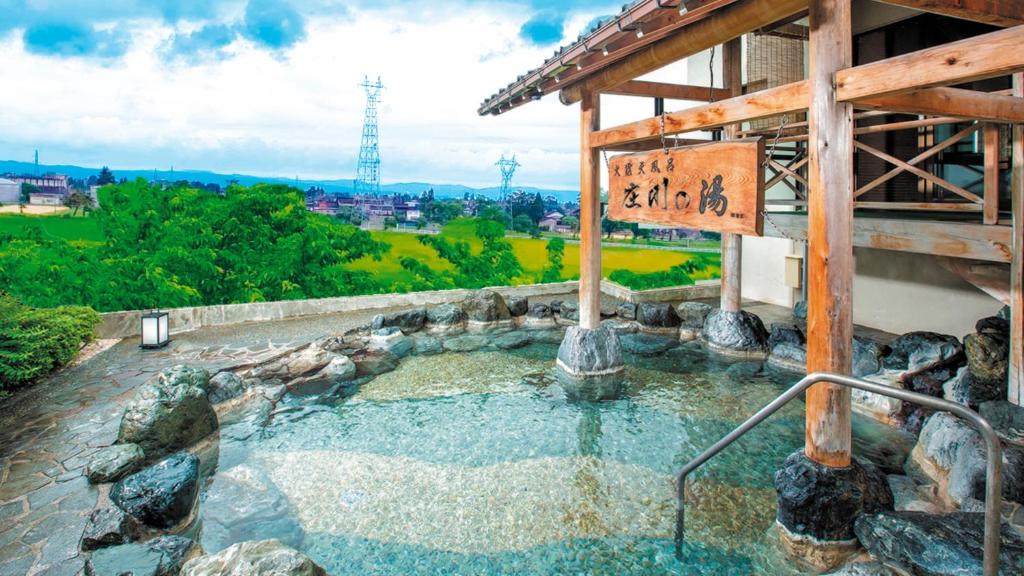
(476, 463)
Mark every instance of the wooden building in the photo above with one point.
(905, 136)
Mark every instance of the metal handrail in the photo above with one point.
(994, 470)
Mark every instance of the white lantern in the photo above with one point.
(155, 330)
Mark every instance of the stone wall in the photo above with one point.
(700, 290)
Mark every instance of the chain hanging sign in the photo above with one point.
(718, 186)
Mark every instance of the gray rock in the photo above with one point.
(486, 306)
(339, 369)
(407, 320)
(936, 544)
(569, 310)
(427, 345)
(590, 363)
(517, 305)
(244, 504)
(539, 311)
(109, 527)
(657, 315)
(394, 342)
(169, 412)
(941, 439)
(909, 496)
(302, 362)
(965, 389)
(114, 462)
(161, 495)
(867, 356)
(225, 386)
(863, 568)
(800, 310)
(163, 556)
(646, 344)
(693, 314)
(988, 355)
(373, 363)
(259, 558)
(822, 502)
(626, 311)
(788, 344)
(446, 316)
(555, 306)
(923, 351)
(1007, 418)
(1004, 313)
(967, 475)
(512, 340)
(738, 331)
(467, 343)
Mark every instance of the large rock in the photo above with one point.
(691, 319)
(569, 310)
(169, 412)
(936, 544)
(163, 556)
(988, 351)
(407, 320)
(244, 504)
(374, 363)
(109, 527)
(626, 310)
(788, 346)
(821, 502)
(260, 558)
(446, 317)
(302, 362)
(161, 495)
(486, 307)
(910, 496)
(467, 343)
(966, 389)
(539, 311)
(590, 363)
(657, 315)
(391, 340)
(924, 351)
(225, 386)
(114, 462)
(863, 568)
(517, 305)
(867, 356)
(512, 340)
(646, 344)
(339, 369)
(739, 332)
(800, 310)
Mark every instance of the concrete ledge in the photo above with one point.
(126, 324)
(701, 290)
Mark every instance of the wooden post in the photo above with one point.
(732, 244)
(1016, 388)
(590, 214)
(830, 235)
(991, 183)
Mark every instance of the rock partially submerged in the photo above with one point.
(163, 556)
(407, 321)
(161, 495)
(169, 412)
(244, 503)
(486, 308)
(692, 316)
(109, 527)
(446, 318)
(260, 558)
(740, 333)
(657, 316)
(114, 462)
(590, 363)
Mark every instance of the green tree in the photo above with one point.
(105, 177)
(523, 224)
(536, 208)
(556, 253)
(79, 201)
(573, 223)
(349, 215)
(390, 222)
(27, 190)
(495, 264)
(496, 213)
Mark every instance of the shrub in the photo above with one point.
(36, 341)
(678, 275)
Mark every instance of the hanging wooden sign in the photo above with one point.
(718, 186)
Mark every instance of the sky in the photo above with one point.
(272, 87)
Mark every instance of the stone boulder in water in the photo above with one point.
(161, 495)
(169, 412)
(407, 320)
(114, 462)
(657, 315)
(517, 305)
(735, 331)
(260, 558)
(486, 306)
(163, 556)
(243, 503)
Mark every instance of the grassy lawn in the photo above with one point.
(531, 253)
(57, 226)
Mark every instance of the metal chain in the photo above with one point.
(711, 73)
(663, 144)
(767, 160)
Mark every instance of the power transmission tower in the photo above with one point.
(368, 172)
(508, 168)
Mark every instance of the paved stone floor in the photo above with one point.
(48, 432)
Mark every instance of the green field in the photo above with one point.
(531, 253)
(62, 226)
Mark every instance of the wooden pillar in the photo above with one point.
(1016, 389)
(590, 214)
(829, 235)
(732, 244)
(990, 193)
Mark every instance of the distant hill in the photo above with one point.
(206, 177)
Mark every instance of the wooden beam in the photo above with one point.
(997, 12)
(672, 91)
(940, 238)
(732, 244)
(985, 56)
(991, 180)
(724, 24)
(764, 104)
(828, 432)
(923, 206)
(955, 102)
(1015, 391)
(590, 214)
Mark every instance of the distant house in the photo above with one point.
(10, 191)
(46, 199)
(56, 184)
(548, 224)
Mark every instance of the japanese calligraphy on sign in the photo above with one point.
(718, 186)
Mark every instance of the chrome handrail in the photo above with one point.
(993, 475)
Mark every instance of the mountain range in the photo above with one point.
(206, 177)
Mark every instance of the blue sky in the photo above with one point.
(271, 87)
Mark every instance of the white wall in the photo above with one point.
(10, 192)
(764, 269)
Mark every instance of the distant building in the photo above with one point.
(10, 191)
(47, 184)
(46, 199)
